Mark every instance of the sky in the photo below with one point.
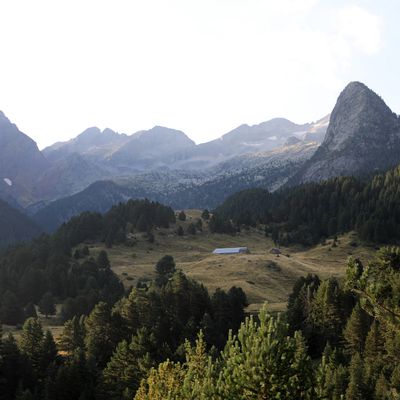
(201, 66)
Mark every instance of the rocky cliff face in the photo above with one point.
(21, 162)
(363, 136)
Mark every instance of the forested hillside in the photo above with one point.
(311, 212)
(51, 265)
(336, 341)
(14, 226)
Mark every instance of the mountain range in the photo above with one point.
(100, 168)
(32, 179)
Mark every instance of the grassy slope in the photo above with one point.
(255, 272)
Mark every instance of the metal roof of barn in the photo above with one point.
(230, 250)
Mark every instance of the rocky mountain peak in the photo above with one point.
(363, 136)
(361, 116)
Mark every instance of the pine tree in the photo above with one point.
(356, 389)
(73, 335)
(11, 312)
(199, 225)
(165, 267)
(205, 215)
(129, 364)
(262, 361)
(30, 311)
(49, 351)
(11, 367)
(101, 334)
(102, 260)
(381, 388)
(355, 331)
(326, 313)
(331, 376)
(374, 353)
(191, 229)
(182, 216)
(47, 305)
(194, 379)
(142, 224)
(31, 342)
(395, 381)
(73, 380)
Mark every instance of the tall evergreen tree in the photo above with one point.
(182, 216)
(355, 331)
(11, 367)
(102, 260)
(31, 343)
(356, 388)
(73, 335)
(101, 334)
(47, 305)
(129, 364)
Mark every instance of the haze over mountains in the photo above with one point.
(99, 168)
(34, 178)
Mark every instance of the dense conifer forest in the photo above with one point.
(170, 339)
(48, 265)
(311, 212)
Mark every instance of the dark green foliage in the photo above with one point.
(320, 310)
(356, 331)
(199, 225)
(227, 314)
(300, 303)
(30, 311)
(101, 334)
(309, 212)
(218, 224)
(150, 237)
(11, 367)
(205, 215)
(81, 252)
(75, 379)
(28, 272)
(73, 335)
(165, 266)
(111, 353)
(102, 260)
(261, 362)
(110, 227)
(356, 389)
(11, 311)
(182, 216)
(191, 229)
(129, 364)
(46, 305)
(378, 284)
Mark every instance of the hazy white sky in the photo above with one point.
(202, 66)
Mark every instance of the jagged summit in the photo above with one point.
(360, 114)
(363, 135)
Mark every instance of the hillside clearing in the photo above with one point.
(263, 276)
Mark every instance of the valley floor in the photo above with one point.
(263, 276)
